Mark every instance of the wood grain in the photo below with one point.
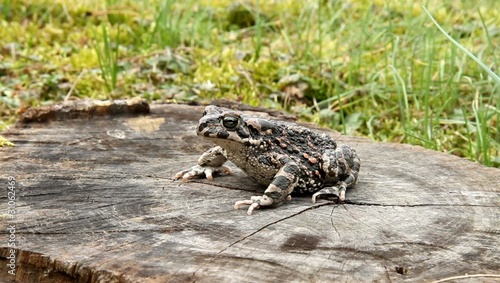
(96, 203)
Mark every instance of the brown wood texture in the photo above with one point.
(96, 203)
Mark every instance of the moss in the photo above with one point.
(4, 142)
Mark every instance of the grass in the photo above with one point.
(108, 59)
(381, 68)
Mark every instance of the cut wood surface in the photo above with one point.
(96, 203)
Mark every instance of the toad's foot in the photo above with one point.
(336, 191)
(199, 170)
(256, 202)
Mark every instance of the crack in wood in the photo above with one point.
(261, 229)
(417, 204)
(331, 222)
(272, 223)
(387, 273)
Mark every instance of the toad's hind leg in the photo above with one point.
(277, 192)
(329, 191)
(342, 168)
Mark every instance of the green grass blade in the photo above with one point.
(472, 56)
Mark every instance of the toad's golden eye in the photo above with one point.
(230, 122)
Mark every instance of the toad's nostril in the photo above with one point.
(202, 126)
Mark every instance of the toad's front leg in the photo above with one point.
(210, 162)
(277, 192)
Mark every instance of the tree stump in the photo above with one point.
(95, 202)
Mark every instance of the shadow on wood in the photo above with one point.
(96, 203)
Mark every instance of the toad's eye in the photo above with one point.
(230, 122)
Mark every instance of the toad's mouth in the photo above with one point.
(231, 140)
(212, 132)
(220, 133)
